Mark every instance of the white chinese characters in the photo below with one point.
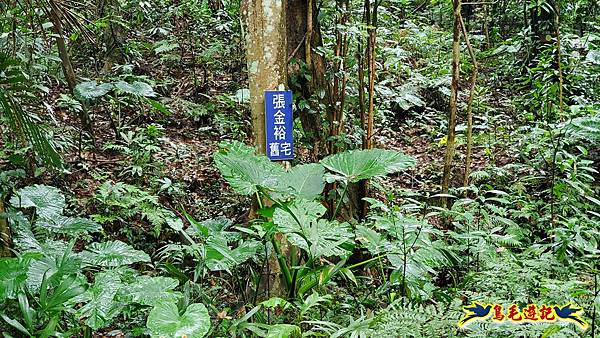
(279, 138)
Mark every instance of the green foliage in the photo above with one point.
(152, 290)
(355, 165)
(416, 321)
(92, 90)
(139, 146)
(47, 201)
(246, 173)
(101, 307)
(165, 321)
(124, 202)
(13, 273)
(586, 128)
(524, 230)
(112, 254)
(300, 222)
(15, 90)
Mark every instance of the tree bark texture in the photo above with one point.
(266, 58)
(5, 241)
(303, 31)
(453, 100)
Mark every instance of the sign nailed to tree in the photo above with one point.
(279, 125)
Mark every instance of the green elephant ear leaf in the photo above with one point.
(102, 306)
(48, 201)
(304, 181)
(113, 254)
(91, 90)
(71, 226)
(355, 165)
(301, 222)
(137, 88)
(246, 172)
(164, 321)
(152, 290)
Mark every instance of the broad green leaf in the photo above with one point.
(23, 236)
(371, 240)
(48, 201)
(246, 172)
(152, 290)
(586, 128)
(91, 90)
(69, 225)
(355, 165)
(302, 224)
(165, 322)
(274, 302)
(304, 181)
(219, 256)
(112, 254)
(101, 305)
(137, 88)
(284, 331)
(54, 260)
(13, 273)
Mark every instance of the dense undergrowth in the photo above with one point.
(167, 224)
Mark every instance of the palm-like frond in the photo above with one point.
(14, 89)
(72, 15)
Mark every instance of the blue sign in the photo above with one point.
(279, 125)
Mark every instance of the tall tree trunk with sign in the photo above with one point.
(266, 57)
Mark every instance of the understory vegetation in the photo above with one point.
(446, 154)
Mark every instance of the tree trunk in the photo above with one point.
(5, 241)
(453, 101)
(215, 5)
(371, 18)
(266, 57)
(303, 31)
(65, 59)
(66, 64)
(469, 104)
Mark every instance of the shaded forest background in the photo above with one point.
(445, 153)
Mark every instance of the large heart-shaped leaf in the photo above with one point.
(165, 322)
(246, 172)
(355, 165)
(304, 181)
(113, 254)
(13, 273)
(152, 290)
(101, 305)
(91, 90)
(69, 225)
(137, 88)
(48, 201)
(301, 222)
